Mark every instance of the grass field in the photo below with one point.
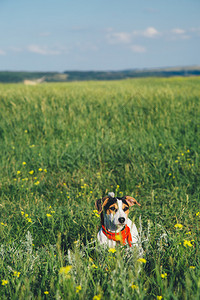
(65, 145)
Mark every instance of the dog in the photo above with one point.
(116, 228)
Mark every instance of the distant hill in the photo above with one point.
(17, 77)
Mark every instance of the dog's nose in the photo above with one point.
(121, 220)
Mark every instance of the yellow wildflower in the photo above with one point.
(189, 232)
(31, 172)
(26, 215)
(29, 220)
(37, 182)
(18, 172)
(112, 250)
(46, 292)
(48, 215)
(24, 163)
(94, 266)
(90, 259)
(16, 274)
(78, 288)
(3, 224)
(4, 282)
(134, 286)
(32, 146)
(40, 169)
(142, 260)
(22, 213)
(45, 170)
(197, 214)
(97, 297)
(53, 211)
(159, 297)
(178, 226)
(160, 145)
(187, 243)
(65, 270)
(25, 130)
(192, 267)
(163, 276)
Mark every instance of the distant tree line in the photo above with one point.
(17, 77)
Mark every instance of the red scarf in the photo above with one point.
(121, 236)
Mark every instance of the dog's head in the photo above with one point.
(114, 210)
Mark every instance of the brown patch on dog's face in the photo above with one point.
(125, 208)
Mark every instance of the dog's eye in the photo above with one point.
(125, 208)
(112, 208)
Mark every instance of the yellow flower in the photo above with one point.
(25, 130)
(22, 213)
(95, 211)
(97, 297)
(40, 169)
(46, 292)
(97, 215)
(189, 232)
(192, 267)
(163, 276)
(65, 270)
(142, 260)
(32, 146)
(48, 215)
(16, 274)
(53, 211)
(112, 250)
(134, 286)
(176, 161)
(4, 282)
(29, 220)
(197, 214)
(26, 215)
(188, 151)
(94, 266)
(24, 163)
(187, 243)
(37, 182)
(159, 297)
(170, 174)
(31, 172)
(3, 224)
(90, 259)
(78, 288)
(45, 170)
(18, 172)
(160, 145)
(178, 226)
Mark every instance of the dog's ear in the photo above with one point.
(100, 203)
(131, 201)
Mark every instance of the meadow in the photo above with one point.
(63, 146)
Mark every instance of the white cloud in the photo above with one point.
(2, 52)
(138, 49)
(151, 32)
(43, 50)
(119, 37)
(127, 37)
(178, 31)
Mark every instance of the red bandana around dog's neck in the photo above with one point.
(121, 236)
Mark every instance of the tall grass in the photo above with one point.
(65, 145)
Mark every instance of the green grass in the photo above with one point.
(82, 140)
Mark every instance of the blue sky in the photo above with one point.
(59, 35)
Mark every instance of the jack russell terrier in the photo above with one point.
(116, 228)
